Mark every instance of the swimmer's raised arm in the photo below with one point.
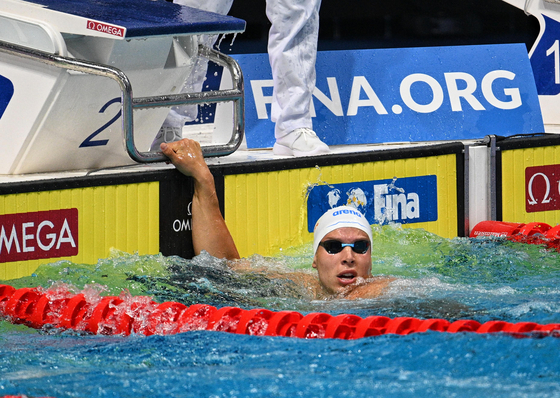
(209, 230)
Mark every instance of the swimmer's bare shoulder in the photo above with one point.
(370, 288)
(304, 279)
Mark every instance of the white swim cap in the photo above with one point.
(340, 217)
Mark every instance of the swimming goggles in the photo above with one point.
(335, 246)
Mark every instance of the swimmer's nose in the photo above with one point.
(348, 255)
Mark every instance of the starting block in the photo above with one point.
(68, 70)
(545, 57)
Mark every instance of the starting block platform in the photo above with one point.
(77, 79)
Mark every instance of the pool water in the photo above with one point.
(480, 279)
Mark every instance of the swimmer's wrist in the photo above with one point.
(204, 187)
(205, 179)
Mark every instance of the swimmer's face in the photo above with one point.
(336, 271)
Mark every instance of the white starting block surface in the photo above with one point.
(55, 118)
(545, 57)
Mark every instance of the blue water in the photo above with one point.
(436, 278)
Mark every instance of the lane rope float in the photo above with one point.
(536, 233)
(20, 396)
(125, 315)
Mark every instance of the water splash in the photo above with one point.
(319, 181)
(464, 278)
(435, 277)
(232, 40)
(219, 42)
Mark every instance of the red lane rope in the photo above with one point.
(111, 315)
(536, 233)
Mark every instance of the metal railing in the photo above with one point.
(129, 103)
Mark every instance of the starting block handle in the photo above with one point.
(128, 103)
(236, 95)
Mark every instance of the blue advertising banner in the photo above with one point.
(406, 94)
(404, 200)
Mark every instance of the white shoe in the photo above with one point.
(166, 134)
(300, 142)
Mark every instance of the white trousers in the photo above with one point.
(292, 51)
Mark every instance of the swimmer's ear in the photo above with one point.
(314, 263)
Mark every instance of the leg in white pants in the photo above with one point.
(292, 51)
(292, 48)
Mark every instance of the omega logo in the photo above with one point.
(546, 199)
(105, 28)
(180, 225)
(542, 188)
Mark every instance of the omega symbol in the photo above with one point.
(546, 198)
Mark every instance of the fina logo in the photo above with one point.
(398, 200)
(390, 203)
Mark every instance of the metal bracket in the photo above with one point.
(129, 103)
(467, 193)
(490, 141)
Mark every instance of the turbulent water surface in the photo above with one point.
(435, 278)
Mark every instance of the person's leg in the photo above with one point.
(172, 127)
(292, 49)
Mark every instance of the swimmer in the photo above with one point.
(342, 236)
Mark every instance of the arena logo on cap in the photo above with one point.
(399, 200)
(344, 211)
